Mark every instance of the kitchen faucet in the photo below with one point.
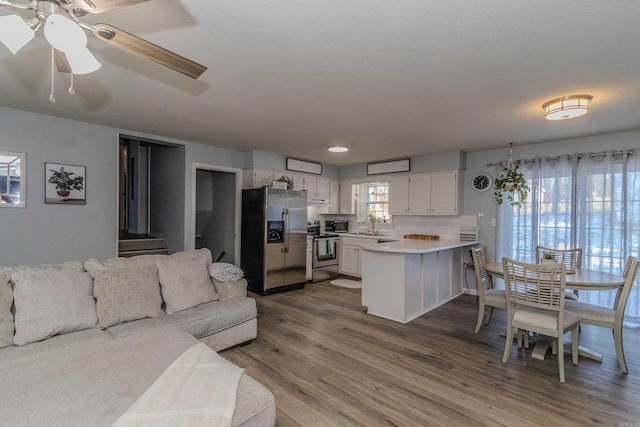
(372, 218)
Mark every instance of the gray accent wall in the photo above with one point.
(42, 233)
(52, 233)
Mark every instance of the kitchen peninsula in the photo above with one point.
(404, 279)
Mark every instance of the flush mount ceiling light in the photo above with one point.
(64, 31)
(338, 149)
(567, 107)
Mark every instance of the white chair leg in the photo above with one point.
(560, 362)
(508, 343)
(575, 333)
(489, 314)
(525, 336)
(554, 346)
(617, 339)
(480, 316)
(519, 335)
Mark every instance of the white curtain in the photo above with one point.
(591, 201)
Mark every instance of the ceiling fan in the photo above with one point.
(63, 29)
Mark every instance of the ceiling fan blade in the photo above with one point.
(148, 50)
(61, 61)
(99, 6)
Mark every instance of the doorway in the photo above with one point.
(216, 211)
(151, 202)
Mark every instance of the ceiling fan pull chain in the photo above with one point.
(72, 91)
(52, 98)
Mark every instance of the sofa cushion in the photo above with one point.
(125, 294)
(185, 281)
(6, 301)
(230, 289)
(213, 317)
(50, 303)
(135, 261)
(53, 345)
(119, 370)
(47, 268)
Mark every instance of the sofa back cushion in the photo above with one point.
(131, 262)
(6, 301)
(185, 281)
(46, 268)
(125, 294)
(52, 302)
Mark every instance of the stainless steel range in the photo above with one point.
(326, 255)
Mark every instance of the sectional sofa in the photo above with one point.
(90, 344)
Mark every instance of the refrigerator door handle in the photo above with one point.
(285, 240)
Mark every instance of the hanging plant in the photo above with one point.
(511, 185)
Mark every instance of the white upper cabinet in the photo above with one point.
(446, 193)
(347, 198)
(437, 193)
(399, 194)
(317, 188)
(310, 185)
(334, 199)
(323, 187)
(420, 193)
(298, 182)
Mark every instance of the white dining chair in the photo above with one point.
(570, 257)
(611, 318)
(536, 302)
(488, 297)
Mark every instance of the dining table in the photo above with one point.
(577, 278)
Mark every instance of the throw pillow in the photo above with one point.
(124, 294)
(223, 271)
(6, 301)
(185, 280)
(51, 303)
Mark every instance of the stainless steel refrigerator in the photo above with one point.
(274, 239)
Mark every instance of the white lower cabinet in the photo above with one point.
(309, 271)
(350, 260)
(351, 254)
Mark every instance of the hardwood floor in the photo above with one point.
(328, 363)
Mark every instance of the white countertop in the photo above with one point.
(368, 236)
(415, 246)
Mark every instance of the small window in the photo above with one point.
(12, 179)
(377, 201)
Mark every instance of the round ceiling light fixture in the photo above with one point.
(338, 149)
(567, 107)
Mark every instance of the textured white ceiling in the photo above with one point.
(387, 78)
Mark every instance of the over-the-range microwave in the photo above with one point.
(337, 226)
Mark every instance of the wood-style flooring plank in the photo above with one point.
(329, 363)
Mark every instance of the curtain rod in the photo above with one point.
(569, 156)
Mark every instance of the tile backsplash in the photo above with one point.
(447, 227)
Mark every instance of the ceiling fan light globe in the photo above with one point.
(14, 32)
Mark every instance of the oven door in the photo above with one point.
(325, 251)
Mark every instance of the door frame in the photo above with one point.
(191, 238)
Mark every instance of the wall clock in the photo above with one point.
(481, 181)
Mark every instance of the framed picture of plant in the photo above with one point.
(64, 184)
